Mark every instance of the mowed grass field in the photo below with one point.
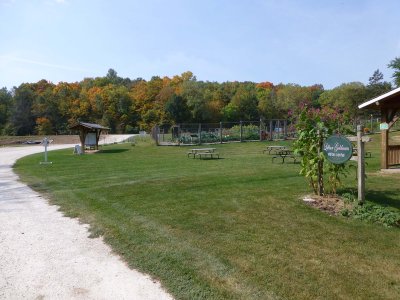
(233, 228)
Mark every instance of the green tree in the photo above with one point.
(177, 109)
(193, 92)
(395, 65)
(5, 108)
(231, 113)
(376, 77)
(245, 99)
(22, 119)
(266, 100)
(345, 98)
(376, 86)
(290, 96)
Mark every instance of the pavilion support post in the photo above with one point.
(384, 148)
(384, 141)
(98, 133)
(82, 138)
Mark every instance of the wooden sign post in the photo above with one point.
(361, 140)
(360, 165)
(338, 150)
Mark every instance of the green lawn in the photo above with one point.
(233, 228)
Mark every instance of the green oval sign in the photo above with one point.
(338, 149)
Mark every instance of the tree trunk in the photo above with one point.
(320, 166)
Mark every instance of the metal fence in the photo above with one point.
(223, 132)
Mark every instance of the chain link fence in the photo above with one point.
(223, 132)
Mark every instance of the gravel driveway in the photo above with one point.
(44, 255)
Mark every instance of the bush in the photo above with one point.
(376, 214)
(370, 212)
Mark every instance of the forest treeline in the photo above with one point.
(127, 106)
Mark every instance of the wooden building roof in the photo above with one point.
(89, 126)
(389, 100)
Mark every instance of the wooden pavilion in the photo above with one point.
(389, 106)
(89, 134)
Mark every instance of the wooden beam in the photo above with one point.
(384, 141)
(394, 120)
(98, 133)
(82, 136)
(365, 139)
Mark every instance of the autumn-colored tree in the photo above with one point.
(126, 105)
(43, 126)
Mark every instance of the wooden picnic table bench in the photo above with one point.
(203, 152)
(275, 148)
(286, 153)
(366, 153)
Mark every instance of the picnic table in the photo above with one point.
(285, 153)
(203, 152)
(276, 149)
(366, 154)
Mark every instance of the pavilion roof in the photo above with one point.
(90, 126)
(389, 100)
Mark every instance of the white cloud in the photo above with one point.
(8, 58)
(56, 2)
(7, 2)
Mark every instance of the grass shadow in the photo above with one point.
(108, 151)
(384, 198)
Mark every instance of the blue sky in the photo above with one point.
(304, 42)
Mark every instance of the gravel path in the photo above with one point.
(44, 255)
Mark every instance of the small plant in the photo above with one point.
(348, 198)
(370, 212)
(376, 214)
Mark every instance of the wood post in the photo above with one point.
(199, 135)
(361, 164)
(384, 141)
(241, 131)
(284, 129)
(220, 132)
(384, 148)
(82, 137)
(270, 129)
(98, 133)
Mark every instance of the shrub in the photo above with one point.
(370, 212)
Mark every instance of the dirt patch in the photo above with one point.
(329, 204)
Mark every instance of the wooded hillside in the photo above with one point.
(127, 106)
